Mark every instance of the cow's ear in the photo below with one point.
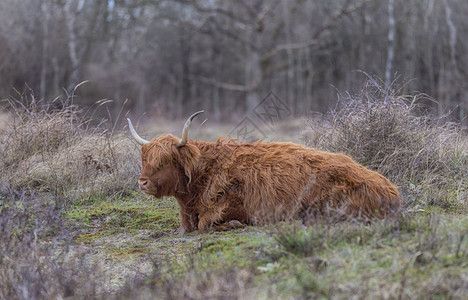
(188, 157)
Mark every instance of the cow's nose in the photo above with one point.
(142, 183)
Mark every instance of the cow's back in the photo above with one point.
(278, 181)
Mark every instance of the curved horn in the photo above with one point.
(135, 135)
(184, 138)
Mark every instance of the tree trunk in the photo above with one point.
(70, 18)
(253, 76)
(454, 82)
(452, 37)
(290, 59)
(185, 84)
(45, 50)
(390, 43)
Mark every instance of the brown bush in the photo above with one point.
(53, 149)
(50, 157)
(426, 156)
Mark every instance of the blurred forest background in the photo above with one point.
(171, 58)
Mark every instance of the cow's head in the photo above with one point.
(167, 162)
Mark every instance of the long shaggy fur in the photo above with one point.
(219, 184)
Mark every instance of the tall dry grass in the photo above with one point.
(51, 157)
(426, 156)
(36, 261)
(52, 149)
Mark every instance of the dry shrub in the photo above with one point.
(426, 156)
(198, 282)
(53, 149)
(30, 268)
(51, 156)
(390, 259)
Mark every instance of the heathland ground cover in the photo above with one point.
(73, 224)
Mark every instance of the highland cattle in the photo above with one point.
(226, 184)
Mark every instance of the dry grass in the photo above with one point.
(32, 264)
(52, 157)
(53, 160)
(412, 257)
(426, 156)
(53, 149)
(198, 282)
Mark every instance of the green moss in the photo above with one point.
(215, 252)
(129, 251)
(107, 217)
(128, 213)
(88, 238)
(239, 250)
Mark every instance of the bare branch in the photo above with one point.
(252, 12)
(223, 85)
(216, 10)
(261, 16)
(231, 35)
(320, 33)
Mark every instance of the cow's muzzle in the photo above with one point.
(143, 183)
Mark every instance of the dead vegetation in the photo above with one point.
(52, 148)
(426, 156)
(35, 259)
(64, 180)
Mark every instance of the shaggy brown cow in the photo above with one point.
(224, 184)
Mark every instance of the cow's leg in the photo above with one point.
(206, 221)
(214, 215)
(228, 213)
(188, 220)
(221, 219)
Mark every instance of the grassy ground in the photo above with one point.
(423, 254)
(74, 225)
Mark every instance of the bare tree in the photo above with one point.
(70, 10)
(390, 43)
(170, 57)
